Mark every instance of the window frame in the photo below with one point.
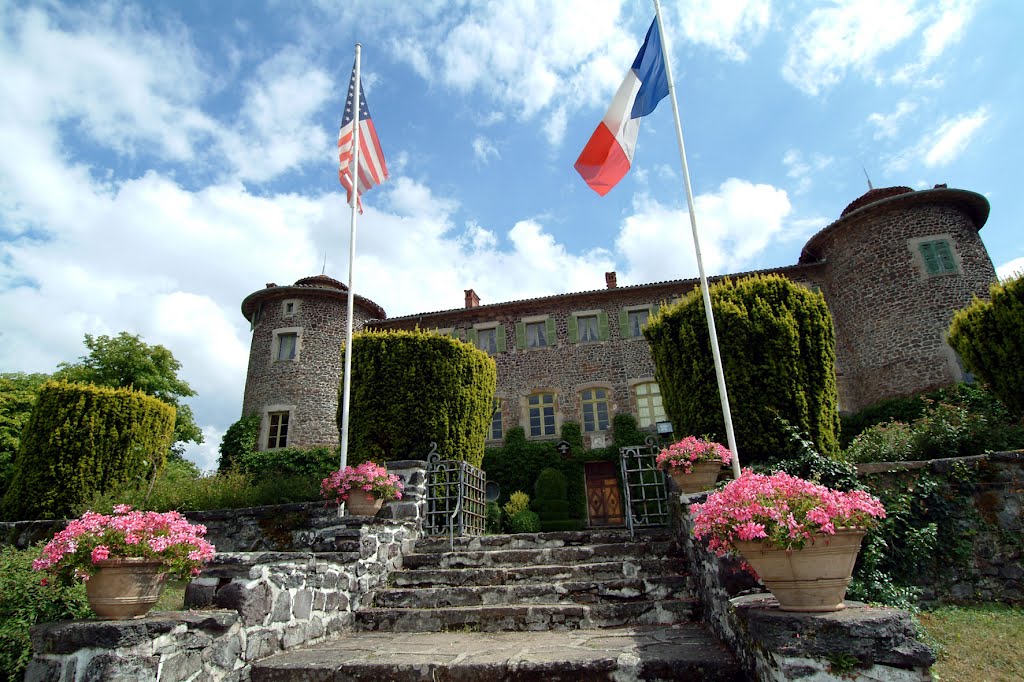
(600, 326)
(594, 402)
(265, 426)
(638, 400)
(935, 256)
(473, 336)
(497, 414)
(294, 303)
(542, 406)
(275, 349)
(522, 332)
(625, 330)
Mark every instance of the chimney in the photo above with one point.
(271, 285)
(472, 300)
(609, 279)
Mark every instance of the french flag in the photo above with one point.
(609, 153)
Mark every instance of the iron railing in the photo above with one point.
(456, 498)
(644, 486)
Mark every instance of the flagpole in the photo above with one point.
(715, 353)
(354, 174)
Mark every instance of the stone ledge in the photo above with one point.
(874, 635)
(66, 637)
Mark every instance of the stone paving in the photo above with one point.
(678, 652)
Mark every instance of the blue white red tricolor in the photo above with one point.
(372, 169)
(609, 153)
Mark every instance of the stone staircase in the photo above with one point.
(594, 605)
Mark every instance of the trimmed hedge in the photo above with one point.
(989, 336)
(411, 388)
(82, 440)
(315, 462)
(778, 353)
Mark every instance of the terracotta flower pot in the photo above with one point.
(810, 579)
(702, 476)
(362, 503)
(125, 588)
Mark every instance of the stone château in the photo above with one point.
(893, 268)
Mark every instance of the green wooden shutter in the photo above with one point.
(655, 308)
(500, 333)
(624, 324)
(574, 334)
(520, 335)
(455, 333)
(602, 325)
(549, 327)
(473, 337)
(945, 256)
(931, 260)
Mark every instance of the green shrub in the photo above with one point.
(18, 393)
(24, 602)
(517, 502)
(493, 519)
(809, 464)
(412, 388)
(889, 442)
(524, 521)
(778, 353)
(989, 336)
(81, 440)
(315, 462)
(550, 500)
(239, 441)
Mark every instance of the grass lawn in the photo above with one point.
(979, 643)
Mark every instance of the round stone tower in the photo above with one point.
(295, 359)
(895, 267)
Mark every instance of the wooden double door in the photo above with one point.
(604, 500)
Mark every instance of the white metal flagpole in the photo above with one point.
(715, 353)
(354, 175)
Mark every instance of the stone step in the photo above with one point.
(527, 617)
(535, 556)
(568, 592)
(682, 652)
(238, 564)
(538, 540)
(604, 570)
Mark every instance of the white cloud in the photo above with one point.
(804, 169)
(724, 26)
(484, 150)
(953, 136)
(888, 125)
(1011, 268)
(735, 223)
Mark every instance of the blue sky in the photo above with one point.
(163, 160)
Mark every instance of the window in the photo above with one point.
(588, 326)
(277, 434)
(542, 414)
(487, 340)
(937, 256)
(632, 320)
(535, 332)
(496, 430)
(289, 308)
(649, 409)
(287, 346)
(595, 409)
(637, 319)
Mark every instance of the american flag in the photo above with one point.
(372, 169)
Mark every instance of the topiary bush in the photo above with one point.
(493, 521)
(82, 440)
(24, 602)
(517, 502)
(524, 521)
(239, 441)
(778, 352)
(550, 501)
(411, 388)
(989, 336)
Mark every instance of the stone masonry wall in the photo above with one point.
(891, 318)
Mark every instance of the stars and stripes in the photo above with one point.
(372, 169)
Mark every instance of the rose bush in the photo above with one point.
(367, 477)
(690, 450)
(783, 510)
(164, 537)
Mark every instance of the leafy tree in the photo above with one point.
(126, 361)
(989, 336)
(18, 393)
(778, 353)
(239, 441)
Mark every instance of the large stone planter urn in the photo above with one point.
(125, 588)
(812, 579)
(702, 476)
(362, 503)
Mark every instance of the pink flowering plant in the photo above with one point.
(367, 477)
(783, 510)
(168, 538)
(690, 450)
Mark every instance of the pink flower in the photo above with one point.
(690, 450)
(368, 477)
(100, 553)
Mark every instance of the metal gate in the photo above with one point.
(456, 497)
(644, 486)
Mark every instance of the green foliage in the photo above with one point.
(24, 602)
(807, 463)
(517, 502)
(989, 336)
(493, 521)
(126, 361)
(625, 432)
(413, 388)
(18, 393)
(551, 502)
(524, 521)
(778, 353)
(81, 440)
(550, 485)
(239, 441)
(315, 463)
